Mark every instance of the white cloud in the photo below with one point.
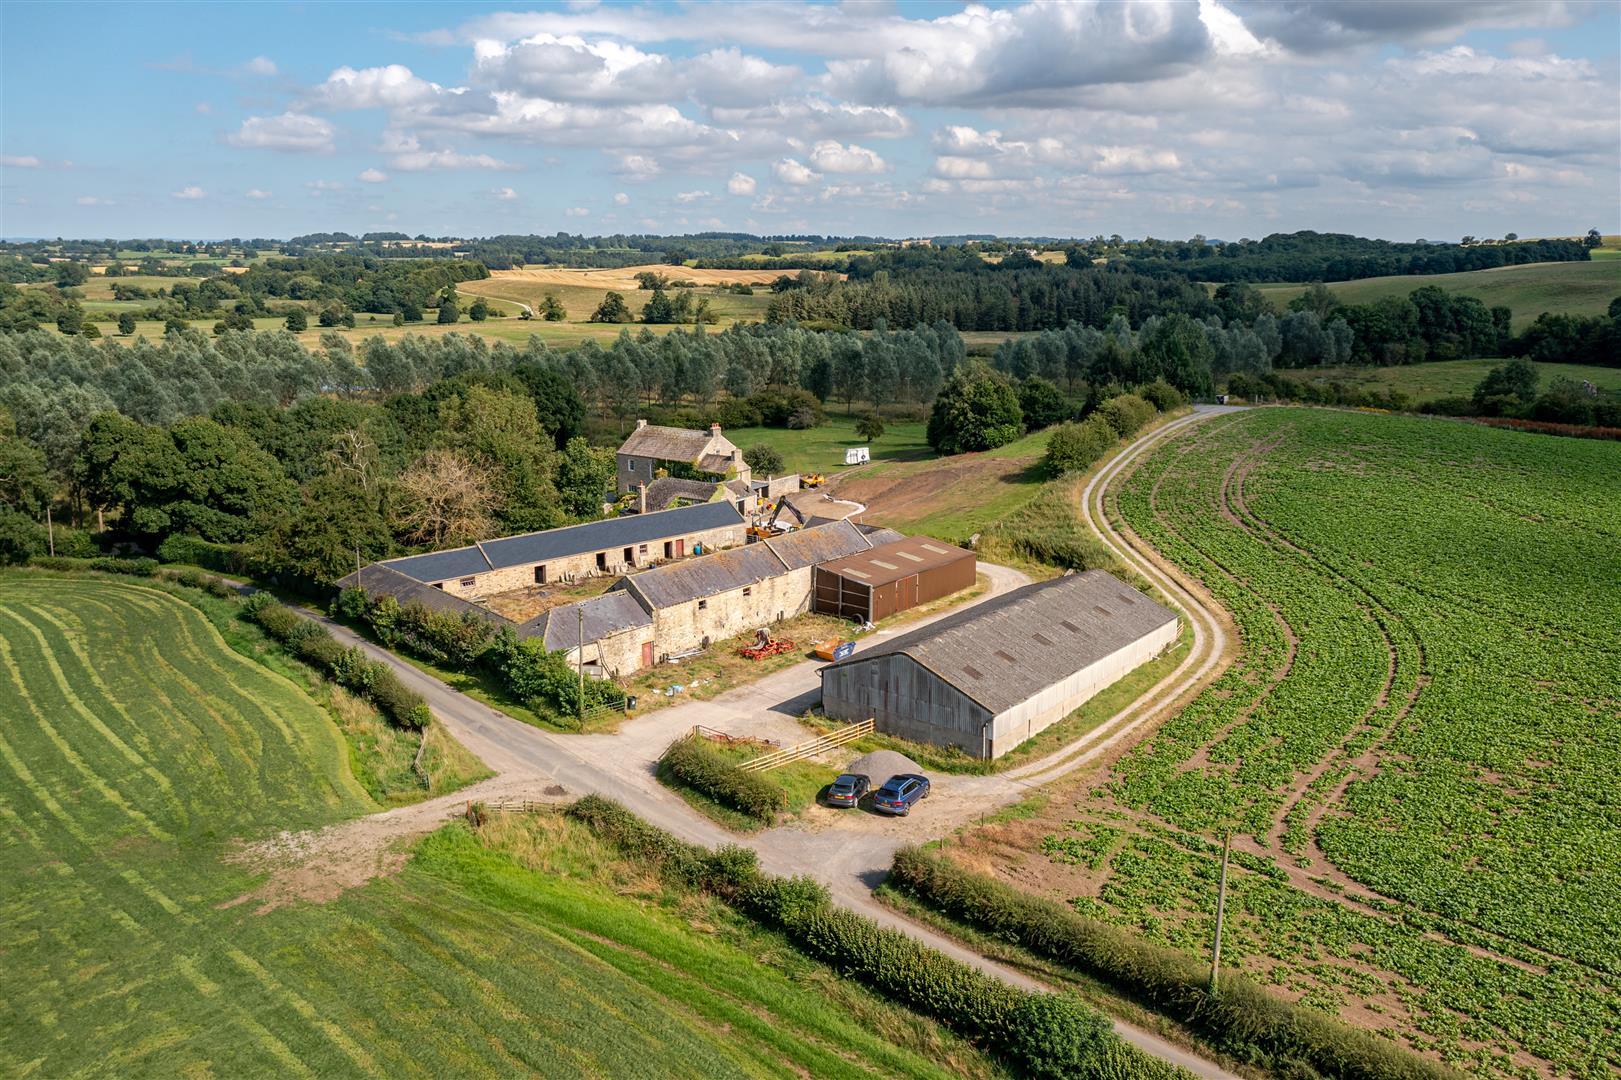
(256, 193)
(19, 161)
(390, 87)
(190, 191)
(505, 194)
(202, 108)
(577, 211)
(408, 154)
(793, 172)
(740, 184)
(685, 197)
(621, 199)
(736, 78)
(373, 176)
(317, 188)
(93, 200)
(289, 131)
(636, 167)
(833, 157)
(260, 65)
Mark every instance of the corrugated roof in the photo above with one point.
(608, 614)
(1004, 650)
(823, 543)
(895, 560)
(666, 443)
(538, 547)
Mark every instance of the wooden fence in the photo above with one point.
(803, 750)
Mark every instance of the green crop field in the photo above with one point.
(1416, 748)
(1447, 378)
(1573, 288)
(136, 748)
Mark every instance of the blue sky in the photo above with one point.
(1223, 117)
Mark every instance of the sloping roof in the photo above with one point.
(379, 580)
(808, 547)
(667, 489)
(666, 443)
(877, 534)
(810, 505)
(677, 583)
(608, 614)
(537, 547)
(1005, 650)
(896, 560)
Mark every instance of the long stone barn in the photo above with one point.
(991, 677)
(611, 546)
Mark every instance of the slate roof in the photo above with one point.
(379, 580)
(677, 583)
(813, 505)
(538, 547)
(605, 615)
(1001, 652)
(667, 489)
(896, 560)
(666, 443)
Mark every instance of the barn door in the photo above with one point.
(647, 654)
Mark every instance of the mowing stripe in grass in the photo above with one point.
(78, 706)
(261, 1035)
(156, 895)
(350, 1048)
(42, 793)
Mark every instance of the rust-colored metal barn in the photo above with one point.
(891, 578)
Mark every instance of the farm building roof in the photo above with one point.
(379, 579)
(667, 443)
(676, 583)
(1004, 650)
(605, 615)
(895, 560)
(815, 506)
(666, 490)
(538, 547)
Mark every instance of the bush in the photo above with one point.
(779, 408)
(74, 543)
(1162, 395)
(1074, 447)
(257, 602)
(765, 460)
(21, 537)
(977, 409)
(396, 701)
(279, 621)
(1042, 404)
(1048, 530)
(693, 763)
(1055, 1036)
(224, 558)
(1127, 414)
(1244, 1020)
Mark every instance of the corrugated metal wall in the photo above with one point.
(903, 698)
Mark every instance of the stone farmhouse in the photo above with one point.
(988, 678)
(610, 546)
(680, 452)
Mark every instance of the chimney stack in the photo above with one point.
(641, 498)
(714, 430)
(640, 424)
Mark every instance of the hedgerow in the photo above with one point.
(1243, 1019)
(1039, 1034)
(692, 762)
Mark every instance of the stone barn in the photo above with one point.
(871, 585)
(988, 678)
(611, 546)
(612, 630)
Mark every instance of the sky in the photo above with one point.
(1226, 118)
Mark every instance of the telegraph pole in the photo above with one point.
(1221, 912)
(50, 530)
(579, 657)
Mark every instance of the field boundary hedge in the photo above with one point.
(1039, 1034)
(1243, 1020)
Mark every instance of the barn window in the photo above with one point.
(748, 590)
(703, 605)
(467, 582)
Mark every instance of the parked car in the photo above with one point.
(848, 789)
(899, 793)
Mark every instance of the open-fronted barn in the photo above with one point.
(988, 678)
(871, 585)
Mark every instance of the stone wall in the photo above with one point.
(691, 625)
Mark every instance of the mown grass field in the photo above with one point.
(821, 449)
(136, 748)
(1447, 378)
(1573, 288)
(1413, 747)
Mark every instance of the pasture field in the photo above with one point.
(1568, 288)
(821, 449)
(136, 749)
(1413, 749)
(1447, 378)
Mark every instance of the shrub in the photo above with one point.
(397, 701)
(278, 620)
(1074, 447)
(1126, 414)
(779, 407)
(321, 651)
(21, 538)
(199, 552)
(693, 763)
(1048, 530)
(190, 578)
(221, 588)
(1056, 1036)
(977, 409)
(1244, 1020)
(1162, 395)
(257, 602)
(74, 543)
(1041, 403)
(765, 460)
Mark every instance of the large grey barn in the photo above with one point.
(988, 678)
